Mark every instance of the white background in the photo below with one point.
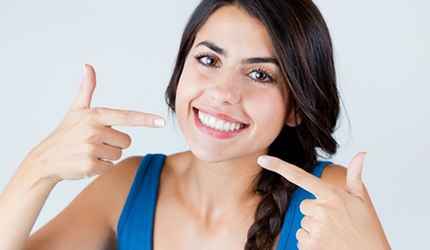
(381, 49)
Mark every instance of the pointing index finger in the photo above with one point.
(115, 117)
(295, 175)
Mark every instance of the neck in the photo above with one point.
(216, 190)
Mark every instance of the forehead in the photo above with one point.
(236, 31)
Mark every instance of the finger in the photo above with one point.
(354, 182)
(307, 207)
(295, 175)
(314, 208)
(302, 235)
(307, 223)
(103, 167)
(115, 138)
(85, 93)
(115, 117)
(109, 153)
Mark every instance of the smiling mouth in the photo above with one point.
(217, 126)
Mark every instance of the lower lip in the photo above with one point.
(215, 133)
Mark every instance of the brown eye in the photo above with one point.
(206, 60)
(261, 76)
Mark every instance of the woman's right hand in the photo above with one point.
(85, 144)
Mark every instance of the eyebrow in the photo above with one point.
(213, 47)
(252, 60)
(255, 60)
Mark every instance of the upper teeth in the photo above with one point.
(218, 124)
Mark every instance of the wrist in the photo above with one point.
(33, 174)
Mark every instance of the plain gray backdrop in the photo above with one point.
(381, 50)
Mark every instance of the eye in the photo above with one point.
(260, 75)
(206, 60)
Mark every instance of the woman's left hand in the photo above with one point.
(338, 218)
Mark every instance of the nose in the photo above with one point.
(225, 91)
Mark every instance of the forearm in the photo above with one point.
(20, 205)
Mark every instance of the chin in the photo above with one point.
(217, 155)
(210, 156)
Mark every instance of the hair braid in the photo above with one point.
(270, 211)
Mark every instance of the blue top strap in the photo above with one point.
(135, 225)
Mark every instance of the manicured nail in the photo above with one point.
(263, 161)
(159, 123)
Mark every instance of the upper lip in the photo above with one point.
(220, 115)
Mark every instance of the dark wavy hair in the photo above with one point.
(304, 50)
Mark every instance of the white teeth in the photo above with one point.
(226, 126)
(212, 122)
(232, 127)
(218, 124)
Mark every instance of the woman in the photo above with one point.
(255, 95)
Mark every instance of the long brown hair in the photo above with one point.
(304, 50)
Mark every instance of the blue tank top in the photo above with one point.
(135, 225)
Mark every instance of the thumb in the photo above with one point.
(83, 98)
(354, 182)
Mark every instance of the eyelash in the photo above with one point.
(270, 78)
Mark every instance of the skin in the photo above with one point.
(205, 190)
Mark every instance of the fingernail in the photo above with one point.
(86, 68)
(159, 123)
(364, 157)
(263, 161)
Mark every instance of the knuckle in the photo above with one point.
(149, 120)
(127, 117)
(90, 149)
(92, 135)
(338, 200)
(275, 165)
(94, 163)
(296, 175)
(304, 205)
(91, 114)
(88, 167)
(304, 222)
(320, 210)
(332, 189)
(317, 231)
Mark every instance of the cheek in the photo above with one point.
(269, 105)
(268, 110)
(189, 87)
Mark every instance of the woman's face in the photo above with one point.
(231, 98)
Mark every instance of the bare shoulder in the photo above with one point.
(89, 221)
(335, 174)
(115, 186)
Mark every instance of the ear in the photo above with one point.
(293, 118)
